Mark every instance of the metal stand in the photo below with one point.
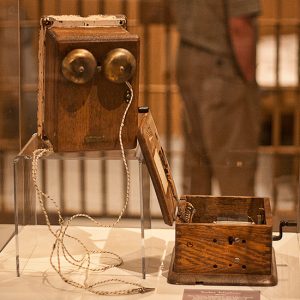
(144, 181)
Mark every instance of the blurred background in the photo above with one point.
(90, 186)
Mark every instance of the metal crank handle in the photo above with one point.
(282, 224)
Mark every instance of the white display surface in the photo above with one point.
(39, 281)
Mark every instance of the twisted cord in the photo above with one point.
(59, 247)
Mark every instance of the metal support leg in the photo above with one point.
(144, 181)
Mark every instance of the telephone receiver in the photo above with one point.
(79, 66)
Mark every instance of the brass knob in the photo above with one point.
(79, 66)
(119, 65)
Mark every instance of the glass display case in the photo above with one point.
(97, 186)
(278, 173)
(9, 111)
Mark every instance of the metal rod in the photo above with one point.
(103, 184)
(142, 221)
(16, 162)
(82, 185)
(61, 176)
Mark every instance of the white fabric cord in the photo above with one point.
(84, 263)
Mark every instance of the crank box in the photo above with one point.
(218, 240)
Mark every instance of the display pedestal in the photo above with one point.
(25, 196)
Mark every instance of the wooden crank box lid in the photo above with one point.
(84, 63)
(218, 240)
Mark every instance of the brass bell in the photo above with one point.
(119, 65)
(79, 66)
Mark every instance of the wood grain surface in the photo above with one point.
(223, 279)
(154, 157)
(85, 117)
(208, 248)
(233, 246)
(229, 240)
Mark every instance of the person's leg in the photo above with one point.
(231, 128)
(237, 176)
(196, 167)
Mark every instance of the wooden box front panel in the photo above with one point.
(82, 117)
(158, 168)
(224, 248)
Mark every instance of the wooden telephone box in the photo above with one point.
(218, 240)
(84, 64)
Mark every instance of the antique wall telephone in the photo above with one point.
(87, 69)
(88, 87)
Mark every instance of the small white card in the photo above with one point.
(198, 294)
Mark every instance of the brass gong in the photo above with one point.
(119, 65)
(79, 66)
